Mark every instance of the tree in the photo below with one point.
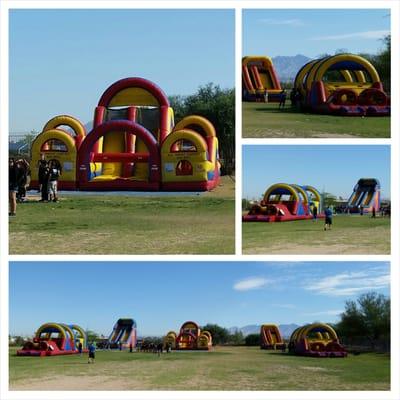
(219, 334)
(252, 340)
(92, 336)
(368, 317)
(328, 199)
(217, 105)
(236, 338)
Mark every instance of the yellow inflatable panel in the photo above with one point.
(184, 165)
(113, 142)
(66, 120)
(194, 121)
(133, 97)
(67, 159)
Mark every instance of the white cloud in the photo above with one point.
(355, 35)
(250, 284)
(350, 283)
(320, 313)
(287, 22)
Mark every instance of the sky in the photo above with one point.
(332, 169)
(61, 61)
(160, 296)
(313, 32)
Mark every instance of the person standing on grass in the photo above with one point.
(15, 176)
(315, 213)
(282, 99)
(92, 353)
(373, 212)
(266, 96)
(80, 348)
(328, 218)
(54, 174)
(41, 165)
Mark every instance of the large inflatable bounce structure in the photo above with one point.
(55, 339)
(343, 84)
(134, 145)
(316, 340)
(123, 334)
(366, 196)
(271, 338)
(259, 76)
(286, 202)
(190, 337)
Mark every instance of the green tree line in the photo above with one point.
(218, 106)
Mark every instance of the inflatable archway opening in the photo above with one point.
(316, 340)
(55, 339)
(55, 144)
(344, 84)
(286, 202)
(258, 77)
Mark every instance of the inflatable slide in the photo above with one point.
(134, 145)
(259, 76)
(271, 338)
(123, 334)
(366, 196)
(286, 202)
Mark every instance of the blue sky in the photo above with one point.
(161, 296)
(333, 169)
(313, 32)
(61, 61)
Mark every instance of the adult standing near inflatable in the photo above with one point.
(15, 176)
(328, 218)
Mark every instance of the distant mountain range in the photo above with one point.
(285, 329)
(288, 66)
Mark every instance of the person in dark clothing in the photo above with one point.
(25, 179)
(315, 213)
(130, 347)
(159, 349)
(15, 177)
(282, 99)
(45, 184)
(92, 353)
(80, 347)
(42, 165)
(328, 218)
(373, 212)
(361, 210)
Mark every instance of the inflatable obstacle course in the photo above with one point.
(55, 339)
(190, 337)
(134, 145)
(123, 334)
(366, 196)
(343, 84)
(316, 340)
(259, 76)
(286, 202)
(271, 338)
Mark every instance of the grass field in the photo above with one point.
(262, 120)
(123, 224)
(349, 235)
(224, 368)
